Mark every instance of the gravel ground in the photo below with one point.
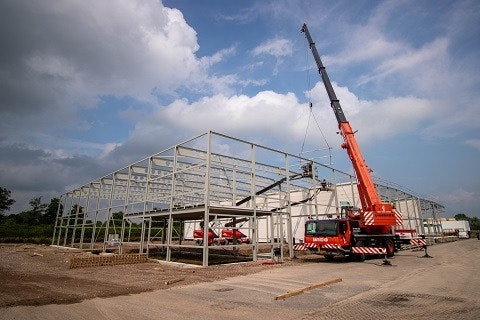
(37, 284)
(33, 275)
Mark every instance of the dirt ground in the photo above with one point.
(33, 275)
(37, 284)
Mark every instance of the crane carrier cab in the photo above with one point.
(341, 237)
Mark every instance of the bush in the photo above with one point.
(10, 231)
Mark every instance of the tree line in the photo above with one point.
(36, 224)
(474, 222)
(33, 225)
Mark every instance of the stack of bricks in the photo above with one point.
(107, 260)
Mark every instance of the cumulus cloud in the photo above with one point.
(375, 119)
(278, 48)
(72, 53)
(272, 119)
(475, 143)
(64, 60)
(410, 62)
(461, 199)
(31, 172)
(263, 117)
(427, 75)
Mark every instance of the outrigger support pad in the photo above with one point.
(426, 255)
(425, 248)
(386, 262)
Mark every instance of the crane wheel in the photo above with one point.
(328, 257)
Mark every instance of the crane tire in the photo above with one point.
(328, 257)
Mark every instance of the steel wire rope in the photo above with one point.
(310, 104)
(342, 187)
(307, 68)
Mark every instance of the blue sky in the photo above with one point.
(88, 87)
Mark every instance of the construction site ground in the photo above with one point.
(37, 283)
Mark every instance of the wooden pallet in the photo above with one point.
(107, 260)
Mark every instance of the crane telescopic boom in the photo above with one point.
(373, 211)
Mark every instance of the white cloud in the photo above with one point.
(375, 119)
(364, 44)
(109, 147)
(269, 118)
(461, 195)
(420, 65)
(277, 48)
(72, 53)
(426, 74)
(272, 119)
(51, 65)
(266, 113)
(218, 56)
(475, 143)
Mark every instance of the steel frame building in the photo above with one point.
(213, 180)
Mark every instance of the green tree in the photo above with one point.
(461, 216)
(32, 217)
(27, 226)
(51, 211)
(5, 201)
(37, 211)
(475, 223)
(117, 218)
(37, 207)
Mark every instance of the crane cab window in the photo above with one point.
(321, 228)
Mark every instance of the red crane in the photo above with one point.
(375, 218)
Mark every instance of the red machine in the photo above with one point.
(358, 231)
(213, 237)
(236, 238)
(228, 236)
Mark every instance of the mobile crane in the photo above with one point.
(358, 231)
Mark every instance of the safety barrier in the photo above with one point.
(331, 246)
(369, 250)
(418, 242)
(305, 246)
(107, 260)
(362, 250)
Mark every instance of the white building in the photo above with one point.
(456, 227)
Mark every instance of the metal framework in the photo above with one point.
(211, 181)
